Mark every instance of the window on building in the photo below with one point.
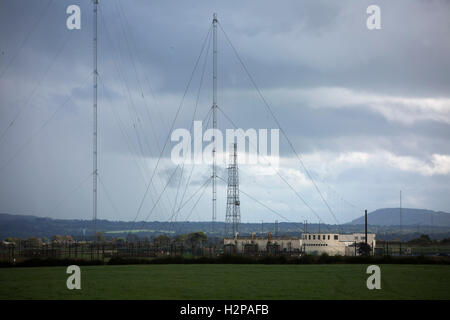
(309, 237)
(328, 237)
(323, 238)
(336, 237)
(314, 237)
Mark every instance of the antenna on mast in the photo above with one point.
(233, 214)
(95, 75)
(214, 112)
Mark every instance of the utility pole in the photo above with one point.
(400, 211)
(95, 75)
(400, 237)
(365, 223)
(214, 112)
(431, 230)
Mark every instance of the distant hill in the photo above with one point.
(383, 221)
(410, 217)
(22, 226)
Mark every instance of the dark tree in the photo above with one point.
(364, 249)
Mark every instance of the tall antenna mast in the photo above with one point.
(214, 111)
(233, 214)
(94, 181)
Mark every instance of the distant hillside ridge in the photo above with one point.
(21, 226)
(410, 217)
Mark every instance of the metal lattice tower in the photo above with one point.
(233, 215)
(214, 112)
(94, 171)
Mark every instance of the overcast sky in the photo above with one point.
(368, 111)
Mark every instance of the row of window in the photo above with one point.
(316, 244)
(319, 237)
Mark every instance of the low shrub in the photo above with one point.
(50, 262)
(233, 259)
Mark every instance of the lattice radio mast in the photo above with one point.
(233, 214)
(214, 112)
(94, 172)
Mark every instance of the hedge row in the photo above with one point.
(308, 259)
(233, 259)
(50, 262)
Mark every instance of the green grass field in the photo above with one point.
(197, 281)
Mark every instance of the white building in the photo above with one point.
(253, 245)
(309, 243)
(335, 244)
